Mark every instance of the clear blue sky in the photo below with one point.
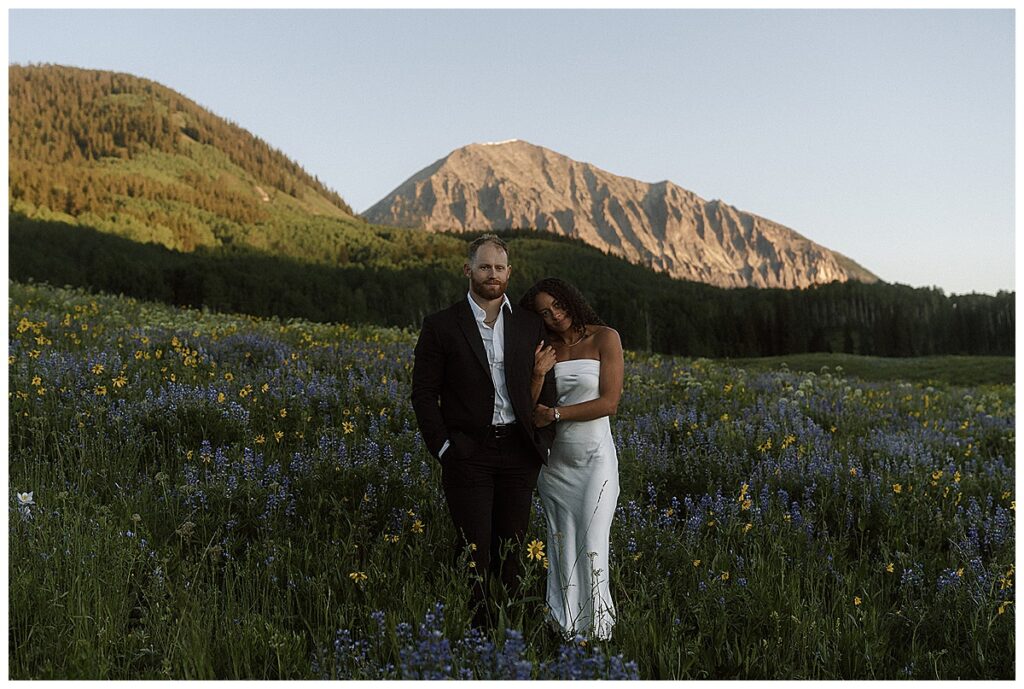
(885, 135)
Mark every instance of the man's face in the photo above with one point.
(488, 273)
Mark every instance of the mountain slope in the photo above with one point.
(515, 184)
(132, 157)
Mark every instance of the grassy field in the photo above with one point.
(200, 496)
(952, 370)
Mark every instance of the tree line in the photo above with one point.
(650, 310)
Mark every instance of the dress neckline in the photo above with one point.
(596, 361)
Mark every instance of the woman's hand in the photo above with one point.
(543, 360)
(543, 416)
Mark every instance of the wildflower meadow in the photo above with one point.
(196, 495)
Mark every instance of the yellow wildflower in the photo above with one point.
(348, 427)
(260, 439)
(417, 526)
(747, 527)
(725, 576)
(358, 577)
(220, 398)
(120, 381)
(857, 600)
(853, 471)
(98, 369)
(278, 435)
(535, 549)
(283, 413)
(36, 380)
(100, 390)
(228, 376)
(897, 488)
(889, 568)
(696, 563)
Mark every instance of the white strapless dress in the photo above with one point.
(578, 489)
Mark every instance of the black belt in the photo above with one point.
(501, 431)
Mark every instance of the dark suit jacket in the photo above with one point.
(452, 391)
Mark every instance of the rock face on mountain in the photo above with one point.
(517, 185)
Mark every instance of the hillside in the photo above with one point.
(128, 156)
(518, 185)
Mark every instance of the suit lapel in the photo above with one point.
(464, 315)
(509, 339)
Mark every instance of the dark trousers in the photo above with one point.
(489, 495)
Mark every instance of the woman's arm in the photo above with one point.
(609, 347)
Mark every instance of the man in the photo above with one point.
(471, 391)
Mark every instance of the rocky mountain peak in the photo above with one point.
(514, 184)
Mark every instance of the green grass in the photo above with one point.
(953, 370)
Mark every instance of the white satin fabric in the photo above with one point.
(578, 489)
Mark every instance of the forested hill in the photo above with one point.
(129, 156)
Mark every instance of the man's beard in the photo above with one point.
(489, 291)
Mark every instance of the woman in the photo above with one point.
(580, 483)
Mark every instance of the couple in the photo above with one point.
(512, 397)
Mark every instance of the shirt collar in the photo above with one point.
(479, 313)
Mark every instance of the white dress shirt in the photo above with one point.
(494, 344)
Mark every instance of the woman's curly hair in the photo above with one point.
(568, 297)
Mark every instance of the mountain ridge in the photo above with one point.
(515, 184)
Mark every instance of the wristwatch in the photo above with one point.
(557, 415)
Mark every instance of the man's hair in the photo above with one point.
(486, 239)
(568, 297)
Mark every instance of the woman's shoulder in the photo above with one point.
(603, 333)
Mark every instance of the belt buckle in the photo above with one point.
(501, 431)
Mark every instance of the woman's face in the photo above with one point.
(556, 318)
